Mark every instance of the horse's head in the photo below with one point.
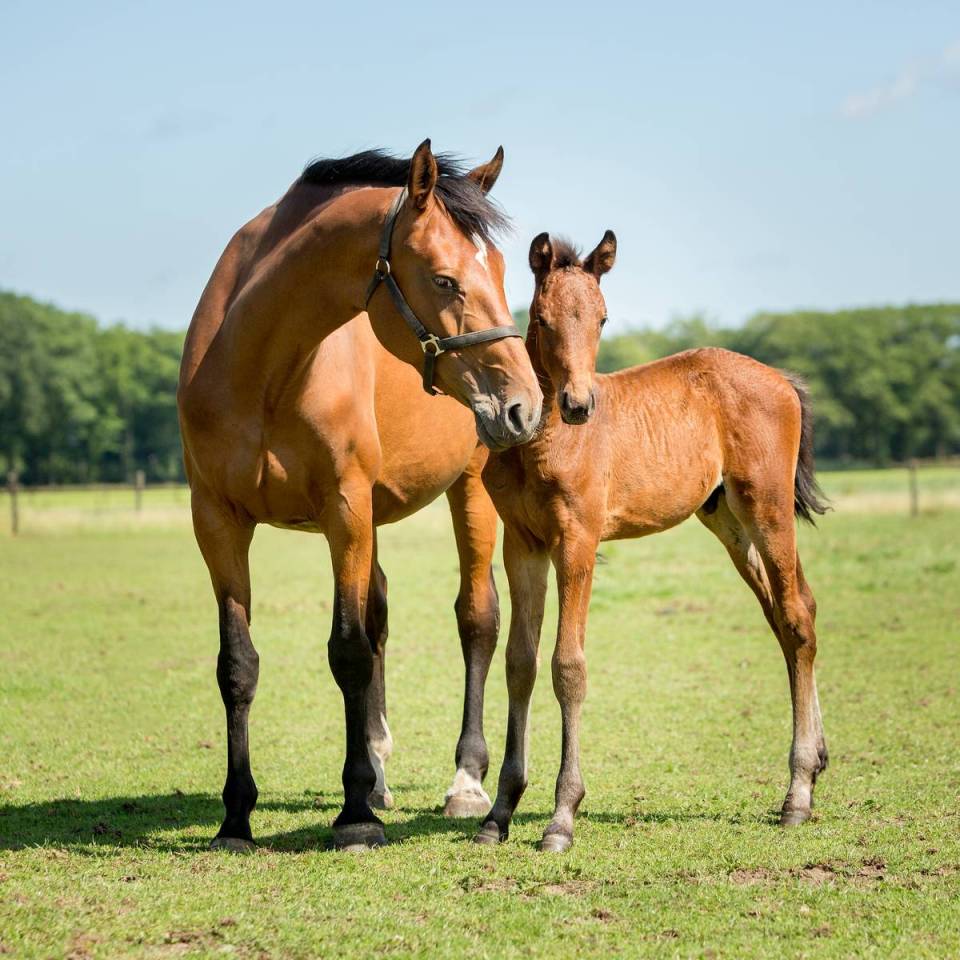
(451, 275)
(566, 317)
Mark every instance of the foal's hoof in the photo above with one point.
(793, 818)
(489, 835)
(232, 845)
(467, 804)
(354, 837)
(555, 843)
(381, 801)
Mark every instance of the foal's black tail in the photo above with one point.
(808, 498)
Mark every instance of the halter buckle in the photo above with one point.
(432, 345)
(382, 267)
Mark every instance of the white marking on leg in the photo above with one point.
(465, 784)
(380, 751)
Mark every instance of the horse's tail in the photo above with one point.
(808, 498)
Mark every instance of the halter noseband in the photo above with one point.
(430, 343)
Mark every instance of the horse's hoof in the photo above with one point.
(232, 845)
(555, 843)
(462, 805)
(489, 835)
(354, 837)
(793, 818)
(381, 801)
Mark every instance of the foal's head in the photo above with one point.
(566, 317)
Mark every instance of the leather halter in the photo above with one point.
(430, 343)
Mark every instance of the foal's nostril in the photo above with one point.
(515, 417)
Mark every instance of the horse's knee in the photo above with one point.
(477, 608)
(350, 658)
(238, 663)
(570, 676)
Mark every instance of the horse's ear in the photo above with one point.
(602, 259)
(485, 176)
(423, 176)
(541, 255)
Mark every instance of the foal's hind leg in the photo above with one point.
(766, 515)
(478, 622)
(379, 740)
(224, 543)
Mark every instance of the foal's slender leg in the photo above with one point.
(225, 543)
(349, 529)
(527, 567)
(379, 740)
(769, 524)
(574, 559)
(478, 622)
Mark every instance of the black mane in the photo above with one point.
(469, 207)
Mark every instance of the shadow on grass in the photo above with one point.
(157, 822)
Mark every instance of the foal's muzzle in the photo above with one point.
(575, 410)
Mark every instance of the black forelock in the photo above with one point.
(469, 207)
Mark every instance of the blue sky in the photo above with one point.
(748, 156)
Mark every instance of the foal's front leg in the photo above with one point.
(574, 559)
(527, 568)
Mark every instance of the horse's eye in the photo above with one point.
(603, 321)
(445, 283)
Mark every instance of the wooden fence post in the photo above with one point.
(13, 486)
(138, 484)
(914, 491)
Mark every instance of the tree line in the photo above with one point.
(81, 402)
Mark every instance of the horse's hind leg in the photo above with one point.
(225, 543)
(765, 511)
(478, 622)
(379, 740)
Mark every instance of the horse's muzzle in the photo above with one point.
(510, 423)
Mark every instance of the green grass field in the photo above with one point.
(112, 750)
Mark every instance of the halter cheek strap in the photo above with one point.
(430, 343)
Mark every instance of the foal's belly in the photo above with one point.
(656, 499)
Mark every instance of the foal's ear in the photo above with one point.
(485, 176)
(541, 255)
(423, 176)
(602, 259)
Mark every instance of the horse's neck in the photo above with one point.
(303, 289)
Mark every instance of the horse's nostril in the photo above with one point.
(515, 417)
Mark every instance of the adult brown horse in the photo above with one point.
(707, 432)
(268, 439)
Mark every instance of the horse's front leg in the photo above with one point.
(478, 623)
(349, 529)
(379, 739)
(574, 559)
(527, 567)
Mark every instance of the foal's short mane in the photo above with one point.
(469, 207)
(565, 254)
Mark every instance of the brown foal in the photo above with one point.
(632, 453)
(274, 434)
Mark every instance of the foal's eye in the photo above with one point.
(603, 321)
(445, 283)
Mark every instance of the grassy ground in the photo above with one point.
(111, 752)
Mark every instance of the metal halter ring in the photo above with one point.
(382, 267)
(434, 344)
